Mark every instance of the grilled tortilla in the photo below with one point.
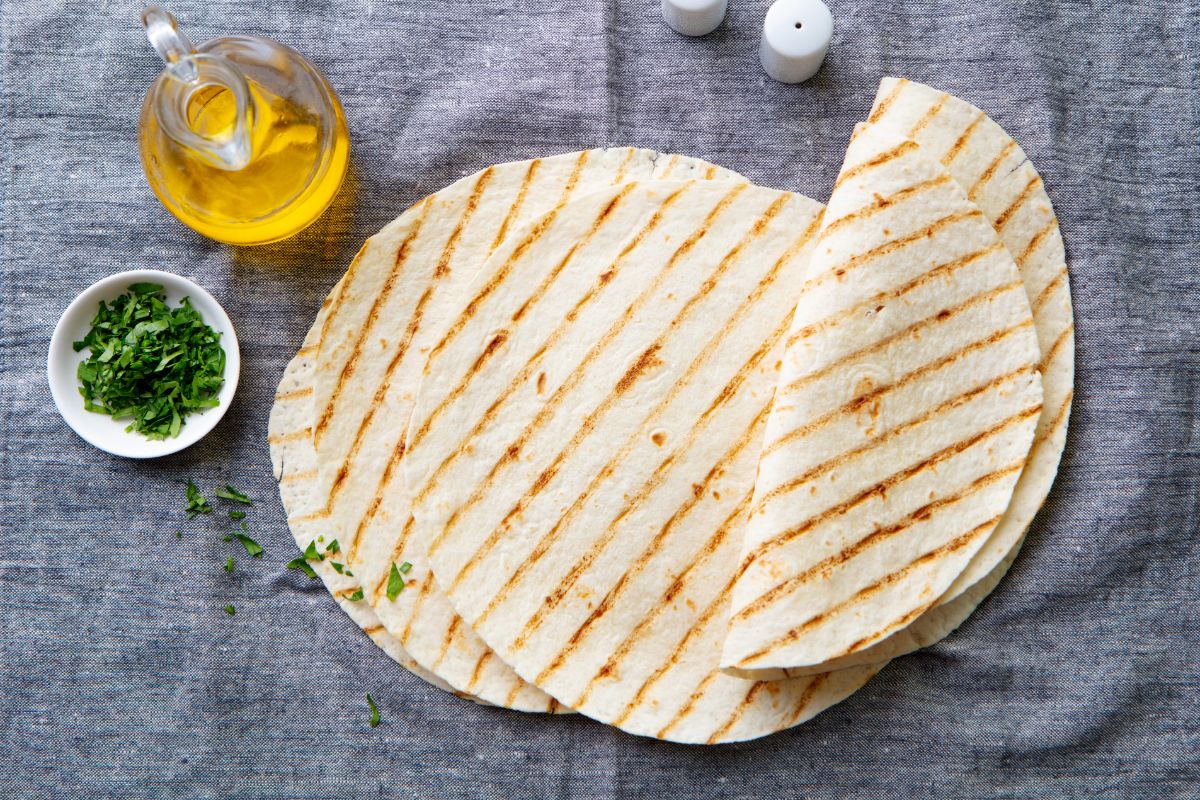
(398, 299)
(582, 453)
(905, 411)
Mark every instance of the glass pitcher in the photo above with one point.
(242, 139)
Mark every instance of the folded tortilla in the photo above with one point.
(905, 411)
(583, 450)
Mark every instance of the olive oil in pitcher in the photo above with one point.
(242, 139)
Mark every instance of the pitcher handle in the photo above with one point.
(175, 49)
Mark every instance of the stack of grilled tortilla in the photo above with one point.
(621, 433)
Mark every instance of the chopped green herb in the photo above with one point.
(178, 534)
(236, 515)
(232, 494)
(229, 564)
(333, 547)
(230, 610)
(244, 527)
(358, 595)
(348, 573)
(253, 548)
(196, 504)
(320, 538)
(338, 568)
(374, 711)
(405, 567)
(227, 538)
(301, 564)
(311, 554)
(149, 362)
(395, 583)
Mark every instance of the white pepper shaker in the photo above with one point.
(694, 17)
(796, 35)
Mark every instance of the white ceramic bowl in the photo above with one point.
(102, 430)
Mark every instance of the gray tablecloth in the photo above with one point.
(121, 675)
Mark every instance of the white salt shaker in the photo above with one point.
(796, 35)
(694, 17)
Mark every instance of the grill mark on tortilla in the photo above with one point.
(731, 523)
(290, 436)
(888, 248)
(881, 488)
(1062, 338)
(929, 115)
(1016, 204)
(502, 274)
(1037, 239)
(1051, 287)
(538, 293)
(547, 540)
(309, 350)
(939, 271)
(477, 673)
(672, 161)
(741, 709)
(883, 203)
(516, 206)
(654, 547)
(860, 401)
(991, 170)
(852, 551)
(381, 298)
(962, 140)
(891, 434)
(629, 153)
(917, 327)
(451, 631)
(310, 517)
(372, 630)
(295, 394)
(710, 172)
(333, 303)
(293, 477)
(882, 106)
(377, 501)
(815, 621)
(693, 698)
(810, 691)
(576, 375)
(874, 162)
(553, 706)
(1059, 416)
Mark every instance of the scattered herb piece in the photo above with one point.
(232, 494)
(244, 527)
(311, 554)
(178, 534)
(229, 564)
(320, 538)
(230, 610)
(395, 583)
(358, 595)
(253, 548)
(149, 362)
(196, 504)
(338, 568)
(332, 547)
(405, 567)
(348, 573)
(236, 515)
(302, 564)
(227, 538)
(374, 711)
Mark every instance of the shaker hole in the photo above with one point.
(799, 25)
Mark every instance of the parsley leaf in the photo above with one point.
(405, 567)
(395, 583)
(311, 554)
(253, 548)
(374, 711)
(332, 547)
(196, 504)
(302, 564)
(230, 493)
(149, 362)
(229, 564)
(236, 515)
(358, 595)
(338, 568)
(230, 610)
